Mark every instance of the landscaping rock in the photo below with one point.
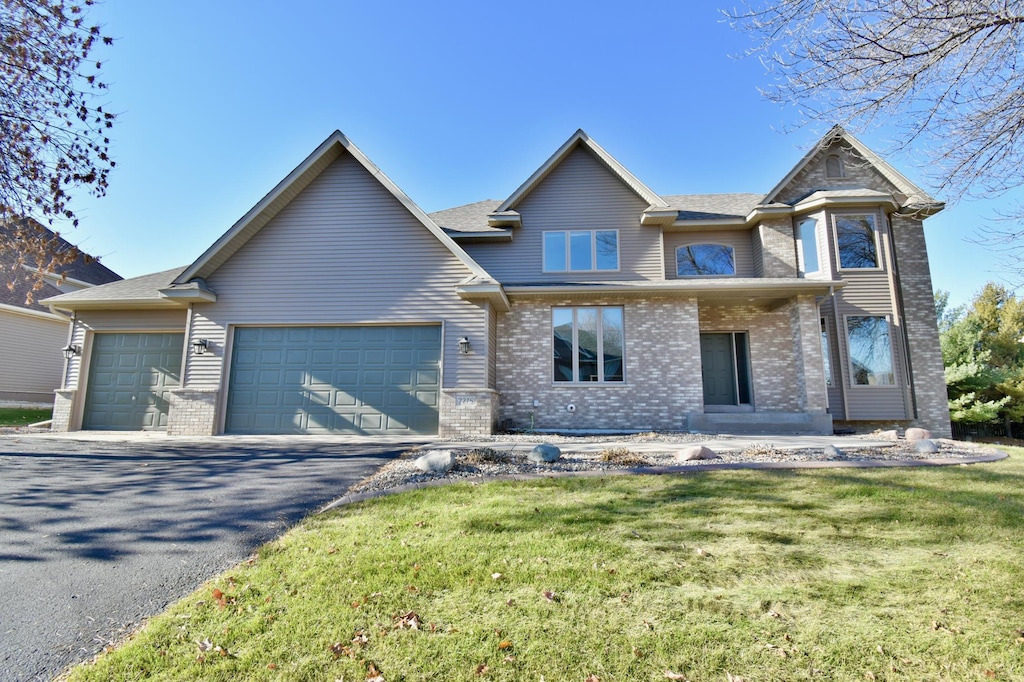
(914, 435)
(892, 435)
(544, 453)
(832, 452)
(926, 447)
(436, 462)
(695, 452)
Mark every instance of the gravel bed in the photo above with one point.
(476, 462)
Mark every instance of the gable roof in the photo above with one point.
(286, 190)
(84, 270)
(916, 197)
(469, 218)
(581, 139)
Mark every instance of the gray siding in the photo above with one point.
(579, 194)
(344, 251)
(30, 358)
(869, 292)
(739, 240)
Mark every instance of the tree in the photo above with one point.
(984, 356)
(948, 73)
(53, 127)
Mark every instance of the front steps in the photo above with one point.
(754, 423)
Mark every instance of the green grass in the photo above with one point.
(841, 574)
(18, 416)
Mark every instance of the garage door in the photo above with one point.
(355, 380)
(130, 376)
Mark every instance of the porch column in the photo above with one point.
(804, 321)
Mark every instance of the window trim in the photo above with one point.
(732, 257)
(575, 346)
(568, 250)
(875, 235)
(892, 353)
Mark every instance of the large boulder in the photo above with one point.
(891, 434)
(913, 435)
(926, 446)
(544, 453)
(436, 461)
(695, 452)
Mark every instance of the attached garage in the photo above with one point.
(335, 380)
(130, 375)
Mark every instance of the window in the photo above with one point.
(581, 250)
(834, 167)
(870, 351)
(807, 246)
(826, 356)
(704, 260)
(587, 344)
(855, 241)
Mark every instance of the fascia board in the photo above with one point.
(119, 304)
(492, 292)
(580, 137)
(828, 202)
(762, 287)
(28, 312)
(189, 295)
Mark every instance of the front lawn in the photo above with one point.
(19, 416)
(840, 574)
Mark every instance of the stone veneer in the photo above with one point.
(661, 361)
(193, 412)
(915, 280)
(63, 402)
(467, 412)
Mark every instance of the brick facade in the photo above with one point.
(661, 369)
(468, 412)
(778, 248)
(63, 402)
(193, 412)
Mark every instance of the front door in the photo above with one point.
(725, 369)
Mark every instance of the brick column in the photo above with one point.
(63, 400)
(804, 321)
(193, 412)
(468, 412)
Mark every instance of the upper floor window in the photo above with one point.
(587, 344)
(807, 247)
(581, 250)
(704, 260)
(855, 241)
(834, 167)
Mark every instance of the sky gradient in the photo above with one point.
(455, 101)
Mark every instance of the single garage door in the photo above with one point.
(130, 376)
(318, 380)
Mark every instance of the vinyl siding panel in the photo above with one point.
(30, 357)
(740, 242)
(579, 194)
(343, 252)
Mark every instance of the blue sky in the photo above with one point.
(455, 101)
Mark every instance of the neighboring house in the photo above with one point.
(31, 336)
(582, 301)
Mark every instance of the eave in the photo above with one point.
(763, 291)
(491, 292)
(120, 304)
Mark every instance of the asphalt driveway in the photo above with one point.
(97, 535)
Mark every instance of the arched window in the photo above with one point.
(705, 260)
(834, 167)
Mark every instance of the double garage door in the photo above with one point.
(283, 380)
(321, 380)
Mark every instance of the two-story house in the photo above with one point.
(583, 301)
